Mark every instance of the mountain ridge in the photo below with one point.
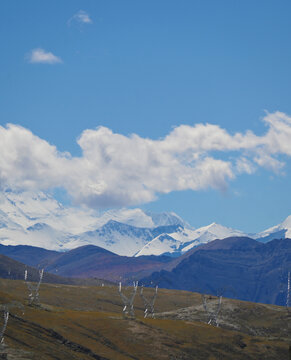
(88, 261)
(246, 268)
(37, 219)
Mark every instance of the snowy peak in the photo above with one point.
(286, 224)
(163, 244)
(280, 231)
(143, 219)
(37, 219)
(28, 206)
(167, 218)
(183, 239)
(124, 239)
(133, 217)
(219, 231)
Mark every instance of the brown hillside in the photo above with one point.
(85, 322)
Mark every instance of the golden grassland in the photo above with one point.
(86, 322)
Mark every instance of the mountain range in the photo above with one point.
(87, 261)
(237, 267)
(37, 219)
(14, 270)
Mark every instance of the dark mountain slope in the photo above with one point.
(14, 270)
(245, 268)
(93, 261)
(30, 255)
(227, 243)
(87, 262)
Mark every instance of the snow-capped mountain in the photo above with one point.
(280, 231)
(122, 239)
(25, 209)
(184, 239)
(140, 218)
(29, 208)
(37, 219)
(162, 244)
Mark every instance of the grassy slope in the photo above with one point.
(76, 322)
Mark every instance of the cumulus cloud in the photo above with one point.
(40, 56)
(118, 170)
(81, 17)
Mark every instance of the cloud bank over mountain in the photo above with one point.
(118, 170)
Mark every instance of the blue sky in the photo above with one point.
(146, 67)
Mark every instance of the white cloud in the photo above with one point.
(118, 170)
(81, 17)
(43, 57)
(243, 165)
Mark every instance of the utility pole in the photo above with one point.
(33, 289)
(212, 314)
(149, 304)
(128, 301)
